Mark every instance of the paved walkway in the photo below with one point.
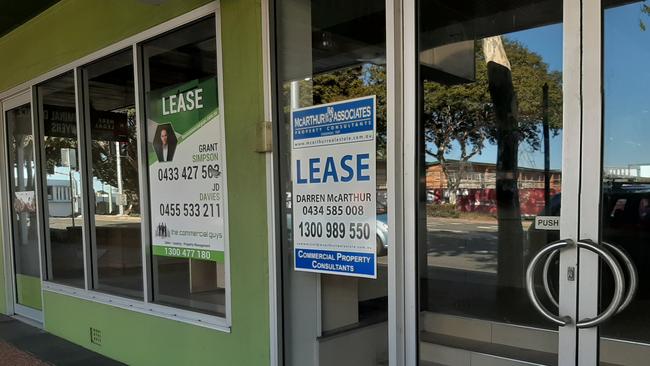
(24, 345)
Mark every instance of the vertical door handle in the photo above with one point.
(619, 284)
(530, 281)
(633, 275)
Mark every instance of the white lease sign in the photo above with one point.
(334, 191)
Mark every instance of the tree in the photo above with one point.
(461, 114)
(464, 114)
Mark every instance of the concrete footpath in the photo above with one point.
(24, 345)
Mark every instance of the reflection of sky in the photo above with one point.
(627, 86)
(547, 42)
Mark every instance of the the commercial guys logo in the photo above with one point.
(162, 231)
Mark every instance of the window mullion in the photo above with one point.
(143, 170)
(85, 196)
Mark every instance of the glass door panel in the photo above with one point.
(63, 203)
(490, 147)
(332, 52)
(24, 222)
(625, 188)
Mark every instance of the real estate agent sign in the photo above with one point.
(334, 191)
(186, 171)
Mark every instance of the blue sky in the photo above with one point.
(626, 87)
(547, 42)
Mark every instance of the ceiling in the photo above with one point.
(14, 13)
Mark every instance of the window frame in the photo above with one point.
(18, 98)
(145, 306)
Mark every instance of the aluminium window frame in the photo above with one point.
(401, 318)
(220, 323)
(87, 165)
(13, 307)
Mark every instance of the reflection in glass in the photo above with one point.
(330, 56)
(22, 178)
(490, 145)
(185, 55)
(58, 117)
(110, 112)
(625, 204)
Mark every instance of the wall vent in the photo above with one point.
(95, 336)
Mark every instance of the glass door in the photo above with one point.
(616, 188)
(497, 195)
(23, 207)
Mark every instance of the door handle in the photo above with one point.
(633, 275)
(619, 284)
(617, 304)
(530, 281)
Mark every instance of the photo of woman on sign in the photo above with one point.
(164, 143)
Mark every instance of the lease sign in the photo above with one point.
(186, 171)
(334, 191)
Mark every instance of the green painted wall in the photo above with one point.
(3, 291)
(29, 291)
(74, 28)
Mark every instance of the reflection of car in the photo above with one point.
(624, 220)
(382, 234)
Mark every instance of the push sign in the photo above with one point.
(547, 222)
(334, 191)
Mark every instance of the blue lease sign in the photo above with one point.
(333, 170)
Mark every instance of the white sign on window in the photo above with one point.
(334, 191)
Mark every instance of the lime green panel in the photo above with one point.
(140, 339)
(3, 290)
(29, 291)
(72, 29)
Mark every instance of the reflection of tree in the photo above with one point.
(645, 10)
(464, 115)
(104, 158)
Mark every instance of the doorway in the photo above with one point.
(23, 238)
(533, 181)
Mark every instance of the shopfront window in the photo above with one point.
(63, 213)
(116, 233)
(331, 61)
(180, 79)
(490, 135)
(132, 152)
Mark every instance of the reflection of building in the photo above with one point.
(477, 184)
(629, 171)
(61, 196)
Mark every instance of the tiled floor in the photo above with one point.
(24, 345)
